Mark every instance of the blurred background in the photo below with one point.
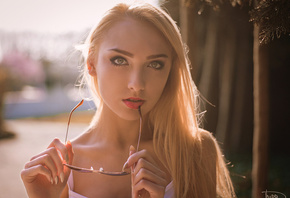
(39, 68)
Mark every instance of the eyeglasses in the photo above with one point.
(101, 170)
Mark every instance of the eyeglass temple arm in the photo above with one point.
(140, 128)
(78, 105)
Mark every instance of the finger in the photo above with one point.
(61, 148)
(131, 151)
(145, 174)
(29, 174)
(38, 155)
(46, 161)
(53, 153)
(140, 154)
(63, 155)
(143, 193)
(144, 164)
(70, 152)
(67, 170)
(153, 189)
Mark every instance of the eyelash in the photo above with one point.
(160, 63)
(114, 59)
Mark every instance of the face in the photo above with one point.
(132, 67)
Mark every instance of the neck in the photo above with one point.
(115, 132)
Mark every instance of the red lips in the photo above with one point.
(133, 103)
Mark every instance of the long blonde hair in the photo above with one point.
(174, 121)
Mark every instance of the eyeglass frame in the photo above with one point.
(101, 170)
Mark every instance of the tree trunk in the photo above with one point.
(186, 21)
(3, 132)
(261, 117)
(2, 91)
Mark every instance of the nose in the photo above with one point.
(136, 80)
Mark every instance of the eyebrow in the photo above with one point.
(157, 56)
(122, 52)
(131, 55)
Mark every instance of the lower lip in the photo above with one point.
(133, 105)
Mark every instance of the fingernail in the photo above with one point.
(69, 143)
(51, 180)
(132, 148)
(60, 155)
(56, 180)
(125, 166)
(61, 176)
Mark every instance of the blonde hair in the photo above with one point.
(177, 139)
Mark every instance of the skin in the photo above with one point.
(133, 60)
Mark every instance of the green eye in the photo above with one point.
(118, 61)
(156, 65)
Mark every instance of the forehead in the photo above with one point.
(135, 36)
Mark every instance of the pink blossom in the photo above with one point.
(23, 67)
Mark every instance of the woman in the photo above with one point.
(135, 60)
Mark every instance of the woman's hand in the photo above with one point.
(148, 180)
(45, 175)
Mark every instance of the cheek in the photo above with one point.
(107, 80)
(157, 85)
(109, 83)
